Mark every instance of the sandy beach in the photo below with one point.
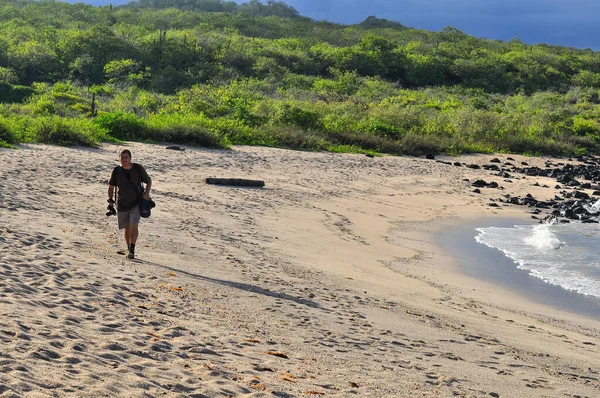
(326, 282)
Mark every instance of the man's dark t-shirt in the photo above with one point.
(129, 184)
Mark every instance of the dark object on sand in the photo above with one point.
(236, 182)
(175, 148)
(429, 156)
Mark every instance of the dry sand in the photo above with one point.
(326, 282)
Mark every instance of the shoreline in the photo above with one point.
(491, 265)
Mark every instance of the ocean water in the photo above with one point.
(563, 255)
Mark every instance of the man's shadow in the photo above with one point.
(239, 285)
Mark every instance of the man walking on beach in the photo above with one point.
(128, 179)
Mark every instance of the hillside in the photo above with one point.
(217, 73)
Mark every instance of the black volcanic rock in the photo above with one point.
(581, 195)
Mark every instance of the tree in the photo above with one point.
(8, 76)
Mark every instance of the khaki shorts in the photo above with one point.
(129, 217)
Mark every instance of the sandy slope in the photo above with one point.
(324, 283)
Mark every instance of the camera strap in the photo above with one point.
(138, 187)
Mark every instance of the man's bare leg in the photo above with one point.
(131, 235)
(127, 238)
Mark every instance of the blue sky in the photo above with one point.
(571, 23)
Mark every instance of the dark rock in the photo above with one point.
(492, 204)
(457, 164)
(369, 155)
(492, 184)
(579, 210)
(495, 160)
(529, 202)
(175, 148)
(573, 183)
(586, 185)
(581, 195)
(596, 193)
(589, 221)
(473, 166)
(557, 187)
(476, 190)
(479, 184)
(491, 167)
(570, 214)
(510, 159)
(525, 163)
(429, 156)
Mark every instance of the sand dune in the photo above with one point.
(324, 283)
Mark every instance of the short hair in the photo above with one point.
(125, 151)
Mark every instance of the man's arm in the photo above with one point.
(112, 182)
(148, 188)
(111, 190)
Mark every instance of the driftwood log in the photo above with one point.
(240, 182)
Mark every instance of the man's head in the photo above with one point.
(126, 158)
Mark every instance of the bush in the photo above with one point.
(10, 93)
(184, 129)
(62, 131)
(7, 133)
(123, 126)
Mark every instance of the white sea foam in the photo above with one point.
(594, 209)
(543, 238)
(562, 254)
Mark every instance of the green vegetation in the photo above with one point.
(215, 73)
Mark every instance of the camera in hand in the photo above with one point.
(111, 208)
(111, 211)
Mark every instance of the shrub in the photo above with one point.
(7, 134)
(10, 93)
(289, 114)
(183, 129)
(62, 131)
(123, 126)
